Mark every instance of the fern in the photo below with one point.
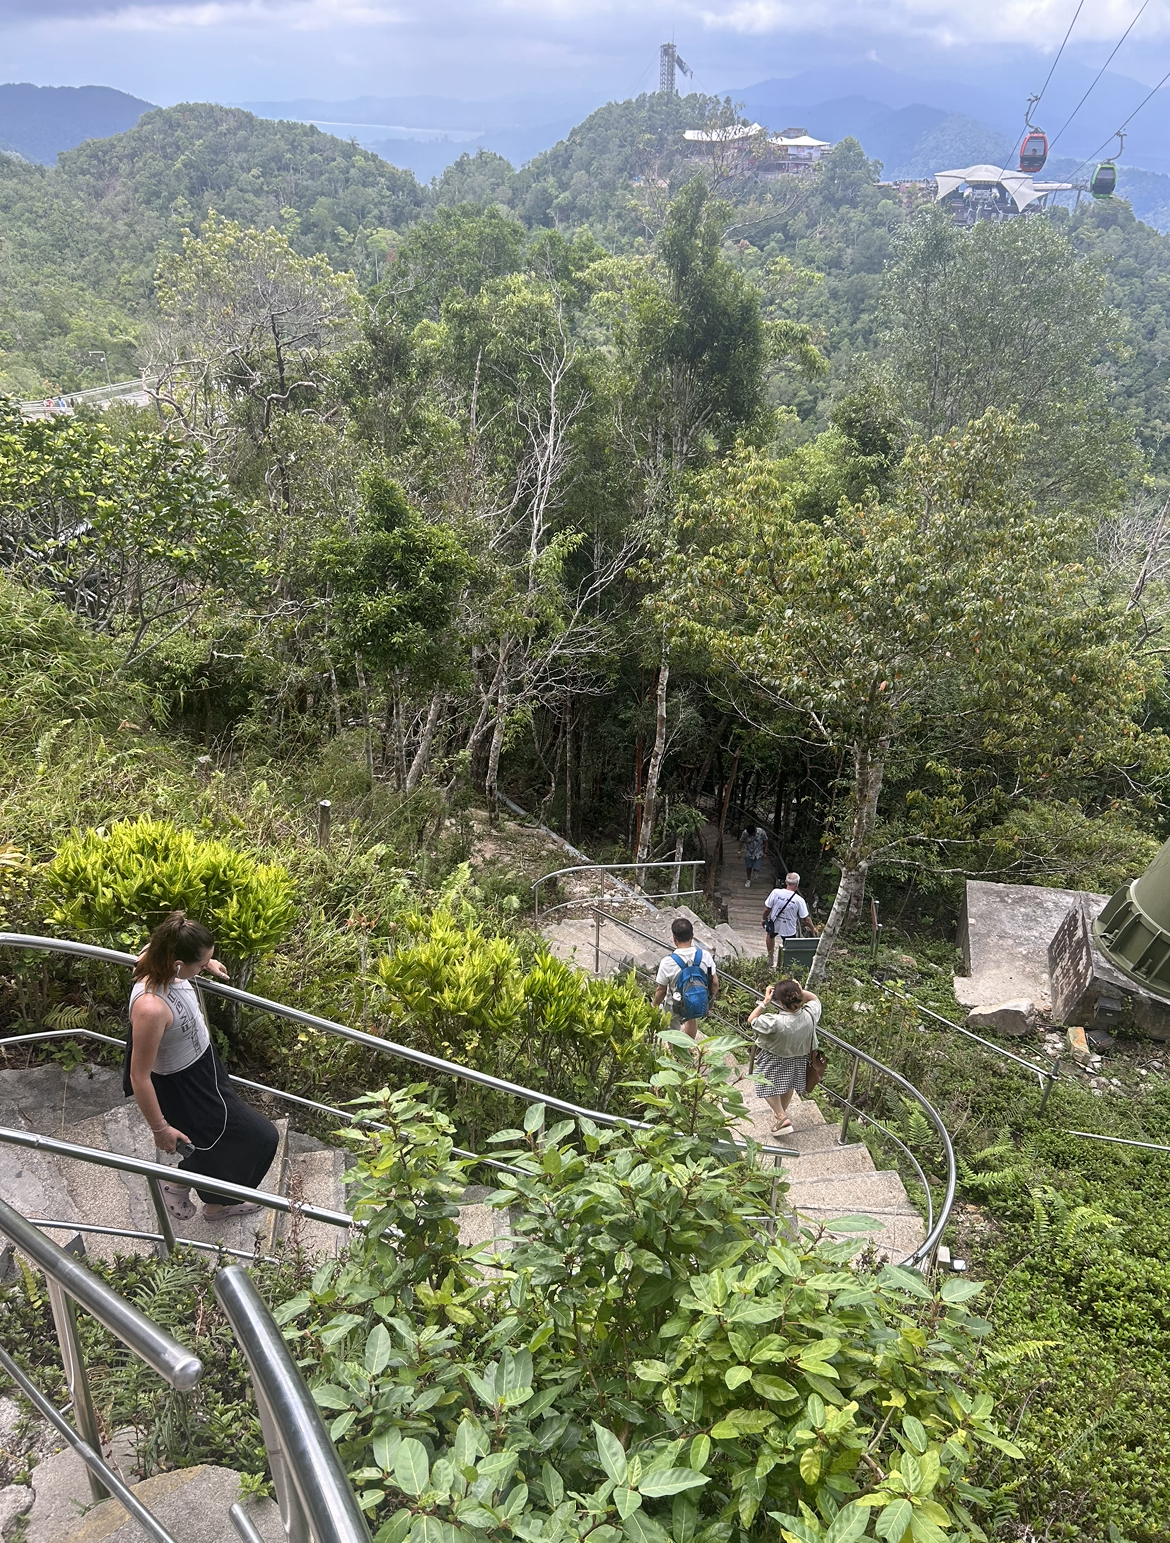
(67, 1016)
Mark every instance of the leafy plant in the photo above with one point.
(643, 1362)
(119, 883)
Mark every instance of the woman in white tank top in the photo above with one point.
(177, 1079)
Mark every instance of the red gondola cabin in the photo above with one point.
(1033, 151)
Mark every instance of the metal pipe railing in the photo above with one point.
(158, 1171)
(610, 868)
(315, 1497)
(172, 1361)
(355, 1036)
(927, 1248)
(1046, 1076)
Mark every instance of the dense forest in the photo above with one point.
(639, 493)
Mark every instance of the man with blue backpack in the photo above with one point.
(687, 976)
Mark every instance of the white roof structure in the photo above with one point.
(801, 142)
(1016, 184)
(727, 136)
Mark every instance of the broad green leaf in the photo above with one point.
(848, 1525)
(411, 1467)
(810, 1464)
(385, 1445)
(816, 1411)
(915, 1433)
(671, 1481)
(626, 1500)
(611, 1453)
(652, 1371)
(774, 1388)
(911, 1472)
(396, 1529)
(552, 1484)
(291, 1309)
(470, 1441)
(684, 1519)
(1009, 1448)
(736, 1376)
(327, 1395)
(342, 1424)
(893, 1521)
(337, 1328)
(379, 1347)
(640, 1528)
(923, 1530)
(794, 1530)
(699, 1453)
(533, 1117)
(955, 1289)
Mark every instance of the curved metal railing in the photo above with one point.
(387, 1047)
(71, 1286)
(640, 893)
(936, 1220)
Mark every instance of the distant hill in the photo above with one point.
(38, 122)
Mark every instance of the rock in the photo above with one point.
(906, 963)
(1015, 1017)
(1078, 1046)
(15, 1500)
(9, 1420)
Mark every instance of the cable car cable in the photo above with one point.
(1121, 127)
(1034, 101)
(1097, 77)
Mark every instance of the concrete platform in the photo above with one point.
(1004, 933)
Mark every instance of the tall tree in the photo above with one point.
(951, 621)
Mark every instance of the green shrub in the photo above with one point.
(459, 993)
(646, 1363)
(119, 883)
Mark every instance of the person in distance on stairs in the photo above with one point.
(178, 1081)
(754, 841)
(785, 1025)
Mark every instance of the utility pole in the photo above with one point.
(669, 60)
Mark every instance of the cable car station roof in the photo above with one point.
(1017, 185)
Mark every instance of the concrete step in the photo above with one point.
(815, 1138)
(830, 1162)
(850, 1194)
(575, 939)
(248, 1233)
(191, 1503)
(49, 1098)
(314, 1176)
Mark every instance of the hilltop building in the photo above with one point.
(992, 193)
(744, 149)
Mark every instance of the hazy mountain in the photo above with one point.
(38, 122)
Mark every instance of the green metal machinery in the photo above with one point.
(1133, 931)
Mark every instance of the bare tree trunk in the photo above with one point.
(569, 776)
(869, 766)
(361, 680)
(678, 851)
(335, 697)
(650, 799)
(716, 868)
(492, 785)
(423, 754)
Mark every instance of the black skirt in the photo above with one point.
(232, 1141)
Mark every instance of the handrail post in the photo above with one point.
(84, 1415)
(292, 1513)
(845, 1118)
(597, 942)
(167, 1247)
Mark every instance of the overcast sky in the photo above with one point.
(239, 50)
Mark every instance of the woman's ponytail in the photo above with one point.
(175, 941)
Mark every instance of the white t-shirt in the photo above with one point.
(787, 910)
(668, 971)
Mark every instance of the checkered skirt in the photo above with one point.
(777, 1074)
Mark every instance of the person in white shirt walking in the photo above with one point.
(688, 975)
(784, 913)
(785, 1026)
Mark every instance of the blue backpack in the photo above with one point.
(690, 998)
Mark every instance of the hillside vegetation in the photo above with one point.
(645, 496)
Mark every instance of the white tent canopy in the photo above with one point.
(1016, 184)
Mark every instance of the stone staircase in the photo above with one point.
(828, 1181)
(86, 1106)
(575, 939)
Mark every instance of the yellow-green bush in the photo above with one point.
(458, 993)
(117, 884)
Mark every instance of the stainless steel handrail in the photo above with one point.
(354, 1036)
(56, 1224)
(557, 873)
(927, 1248)
(315, 1497)
(245, 1082)
(102, 1478)
(161, 1173)
(172, 1361)
(1044, 1075)
(71, 1286)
